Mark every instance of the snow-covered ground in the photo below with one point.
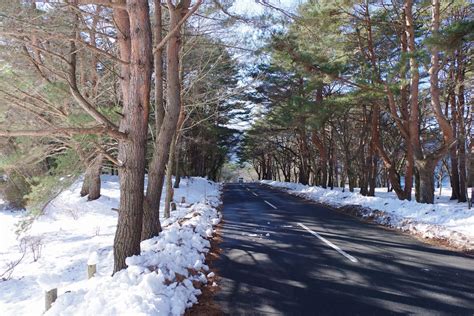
(74, 232)
(446, 220)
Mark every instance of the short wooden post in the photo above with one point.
(91, 270)
(173, 206)
(183, 200)
(50, 298)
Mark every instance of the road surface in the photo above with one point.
(283, 255)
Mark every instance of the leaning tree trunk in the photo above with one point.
(135, 47)
(161, 151)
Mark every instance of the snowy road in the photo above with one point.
(283, 255)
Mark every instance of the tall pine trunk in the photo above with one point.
(161, 151)
(135, 47)
(462, 131)
(453, 154)
(151, 218)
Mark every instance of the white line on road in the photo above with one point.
(254, 193)
(270, 204)
(330, 244)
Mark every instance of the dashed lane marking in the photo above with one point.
(270, 204)
(330, 244)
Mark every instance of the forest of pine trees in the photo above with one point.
(369, 94)
(129, 87)
(358, 93)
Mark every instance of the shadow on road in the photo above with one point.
(270, 266)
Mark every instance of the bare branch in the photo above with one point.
(120, 4)
(177, 27)
(63, 132)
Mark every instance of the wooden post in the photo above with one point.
(50, 298)
(183, 200)
(173, 206)
(91, 270)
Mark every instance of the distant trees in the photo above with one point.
(381, 100)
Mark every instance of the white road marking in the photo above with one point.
(330, 244)
(254, 193)
(270, 204)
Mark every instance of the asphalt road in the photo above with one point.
(283, 255)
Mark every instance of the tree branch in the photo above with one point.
(177, 27)
(108, 3)
(63, 132)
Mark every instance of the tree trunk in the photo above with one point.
(454, 174)
(427, 165)
(135, 47)
(177, 169)
(417, 185)
(158, 66)
(462, 131)
(414, 131)
(169, 179)
(372, 178)
(426, 180)
(93, 175)
(304, 155)
(151, 221)
(323, 157)
(85, 184)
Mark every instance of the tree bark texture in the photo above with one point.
(91, 185)
(159, 160)
(135, 42)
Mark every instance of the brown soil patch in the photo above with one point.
(206, 305)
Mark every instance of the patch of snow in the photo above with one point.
(93, 258)
(49, 280)
(73, 233)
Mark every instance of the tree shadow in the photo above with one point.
(291, 272)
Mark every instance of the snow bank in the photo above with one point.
(74, 232)
(446, 220)
(161, 281)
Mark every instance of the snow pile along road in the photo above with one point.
(446, 220)
(163, 280)
(73, 233)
